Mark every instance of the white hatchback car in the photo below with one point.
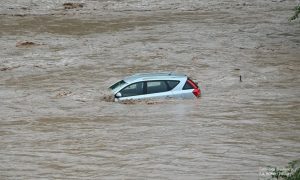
(155, 85)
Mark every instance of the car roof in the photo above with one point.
(153, 76)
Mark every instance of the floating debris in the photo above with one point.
(8, 68)
(147, 102)
(25, 8)
(26, 44)
(108, 98)
(63, 93)
(129, 101)
(39, 66)
(72, 5)
(19, 15)
(5, 68)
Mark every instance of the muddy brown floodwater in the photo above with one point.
(56, 63)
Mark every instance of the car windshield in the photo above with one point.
(120, 83)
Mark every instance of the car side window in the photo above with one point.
(187, 85)
(156, 87)
(133, 89)
(172, 84)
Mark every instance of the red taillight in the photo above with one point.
(196, 91)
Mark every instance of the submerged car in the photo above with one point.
(155, 85)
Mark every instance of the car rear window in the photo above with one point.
(120, 83)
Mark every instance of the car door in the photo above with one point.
(157, 89)
(132, 91)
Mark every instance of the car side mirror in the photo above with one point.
(118, 95)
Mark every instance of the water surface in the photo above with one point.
(54, 122)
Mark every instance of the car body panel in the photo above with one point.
(168, 94)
